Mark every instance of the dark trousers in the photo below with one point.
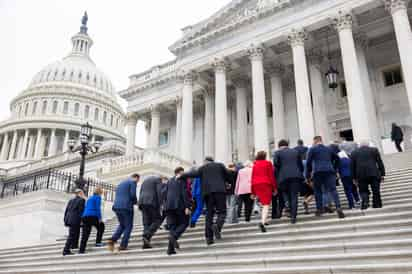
(88, 223)
(325, 183)
(151, 221)
(290, 190)
(177, 221)
(351, 191)
(398, 145)
(375, 185)
(278, 204)
(248, 202)
(73, 238)
(215, 203)
(125, 218)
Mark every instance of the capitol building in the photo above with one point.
(60, 98)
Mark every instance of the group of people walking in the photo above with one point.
(221, 192)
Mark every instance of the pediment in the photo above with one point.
(233, 13)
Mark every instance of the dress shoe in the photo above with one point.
(293, 221)
(111, 245)
(340, 214)
(318, 213)
(209, 242)
(146, 243)
(67, 253)
(262, 228)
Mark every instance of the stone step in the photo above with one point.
(233, 232)
(173, 264)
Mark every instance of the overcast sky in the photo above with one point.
(129, 36)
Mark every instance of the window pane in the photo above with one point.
(164, 138)
(66, 107)
(86, 112)
(34, 108)
(104, 117)
(397, 76)
(44, 108)
(96, 114)
(343, 91)
(55, 105)
(388, 78)
(76, 109)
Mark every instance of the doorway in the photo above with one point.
(347, 135)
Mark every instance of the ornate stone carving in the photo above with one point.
(131, 118)
(275, 69)
(255, 52)
(220, 64)
(344, 20)
(188, 77)
(297, 37)
(208, 91)
(394, 5)
(154, 109)
(178, 101)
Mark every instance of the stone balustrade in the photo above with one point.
(153, 73)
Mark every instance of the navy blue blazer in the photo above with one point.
(125, 195)
(321, 159)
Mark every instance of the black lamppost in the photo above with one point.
(84, 148)
(332, 73)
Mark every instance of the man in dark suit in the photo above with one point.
(289, 173)
(302, 149)
(323, 163)
(72, 219)
(397, 136)
(213, 176)
(123, 207)
(177, 207)
(150, 201)
(368, 170)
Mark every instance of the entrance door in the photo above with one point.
(346, 135)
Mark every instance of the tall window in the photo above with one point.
(111, 120)
(55, 105)
(392, 76)
(34, 110)
(104, 117)
(26, 109)
(66, 107)
(20, 109)
(44, 107)
(76, 109)
(96, 114)
(86, 112)
(164, 138)
(343, 90)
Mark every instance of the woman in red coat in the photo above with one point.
(263, 184)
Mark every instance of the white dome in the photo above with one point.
(75, 69)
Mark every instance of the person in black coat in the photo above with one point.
(231, 199)
(177, 207)
(289, 174)
(302, 149)
(213, 176)
(150, 200)
(72, 219)
(397, 136)
(368, 170)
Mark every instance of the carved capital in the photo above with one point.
(361, 39)
(395, 5)
(255, 52)
(154, 110)
(297, 37)
(187, 77)
(220, 64)
(178, 101)
(344, 20)
(131, 118)
(275, 70)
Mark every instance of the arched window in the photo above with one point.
(76, 109)
(86, 112)
(44, 107)
(34, 110)
(66, 107)
(96, 114)
(117, 123)
(111, 120)
(26, 109)
(20, 109)
(104, 117)
(55, 105)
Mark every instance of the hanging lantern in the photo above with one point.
(332, 77)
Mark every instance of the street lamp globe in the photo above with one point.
(332, 77)
(86, 130)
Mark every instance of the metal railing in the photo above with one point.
(54, 180)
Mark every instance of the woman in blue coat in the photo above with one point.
(346, 177)
(92, 216)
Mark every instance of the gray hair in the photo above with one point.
(364, 143)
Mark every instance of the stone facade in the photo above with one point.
(253, 73)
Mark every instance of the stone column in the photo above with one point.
(13, 145)
(66, 140)
(399, 12)
(53, 143)
(241, 119)
(361, 44)
(178, 102)
(304, 105)
(320, 114)
(278, 107)
(221, 113)
(209, 122)
(24, 145)
(5, 147)
(31, 147)
(37, 149)
(131, 122)
(260, 124)
(155, 126)
(360, 119)
(186, 143)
